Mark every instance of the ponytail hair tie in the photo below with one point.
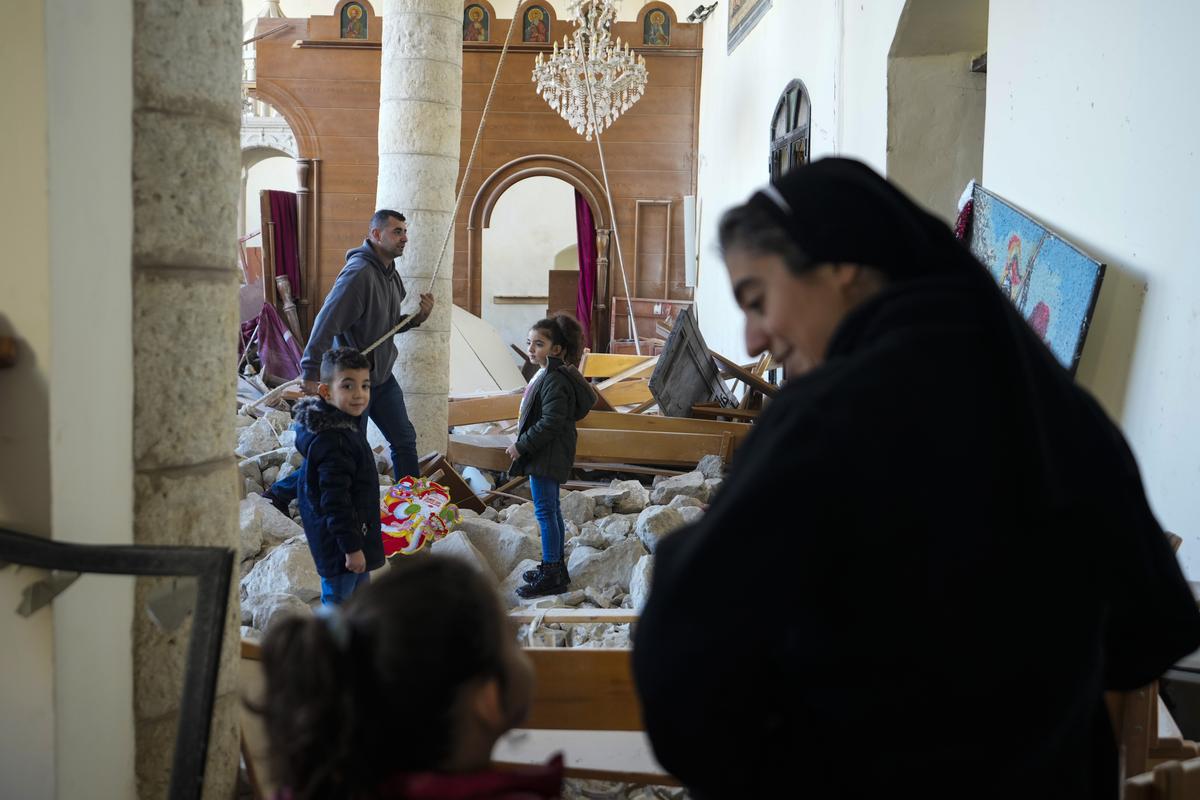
(335, 622)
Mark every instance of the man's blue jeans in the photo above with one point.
(549, 517)
(337, 590)
(388, 412)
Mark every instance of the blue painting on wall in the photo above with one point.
(1053, 284)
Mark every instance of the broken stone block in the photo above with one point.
(251, 487)
(545, 636)
(656, 522)
(383, 464)
(604, 568)
(683, 500)
(690, 484)
(690, 514)
(285, 469)
(250, 525)
(242, 421)
(272, 458)
(295, 458)
(603, 598)
(508, 587)
(713, 484)
(385, 480)
(244, 568)
(639, 583)
(265, 609)
(502, 546)
(458, 545)
(270, 475)
(250, 633)
(248, 468)
(276, 527)
(711, 466)
(255, 439)
(616, 526)
(289, 569)
(594, 540)
(490, 513)
(622, 497)
(572, 598)
(577, 507)
(288, 438)
(522, 516)
(280, 420)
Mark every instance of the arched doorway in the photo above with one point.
(562, 171)
(936, 100)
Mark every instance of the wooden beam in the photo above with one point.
(713, 412)
(632, 372)
(461, 493)
(477, 450)
(635, 469)
(627, 393)
(606, 365)
(583, 689)
(573, 616)
(484, 408)
(746, 376)
(650, 422)
(647, 447)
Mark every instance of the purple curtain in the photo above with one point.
(585, 239)
(278, 351)
(287, 242)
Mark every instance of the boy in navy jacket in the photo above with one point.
(339, 488)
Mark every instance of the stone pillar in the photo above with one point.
(420, 118)
(186, 160)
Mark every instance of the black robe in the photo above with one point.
(930, 558)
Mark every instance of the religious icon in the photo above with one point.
(475, 24)
(535, 28)
(656, 30)
(354, 21)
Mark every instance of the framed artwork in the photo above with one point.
(656, 28)
(743, 16)
(354, 21)
(535, 25)
(476, 23)
(1053, 283)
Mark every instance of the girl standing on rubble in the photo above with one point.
(555, 399)
(401, 693)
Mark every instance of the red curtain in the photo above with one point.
(585, 239)
(287, 242)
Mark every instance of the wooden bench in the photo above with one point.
(1173, 780)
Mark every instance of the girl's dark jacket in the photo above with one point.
(546, 431)
(933, 553)
(339, 488)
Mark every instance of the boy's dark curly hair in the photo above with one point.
(340, 359)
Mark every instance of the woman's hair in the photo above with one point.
(370, 690)
(566, 332)
(748, 227)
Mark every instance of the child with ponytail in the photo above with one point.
(555, 399)
(401, 693)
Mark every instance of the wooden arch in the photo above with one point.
(496, 184)
(307, 143)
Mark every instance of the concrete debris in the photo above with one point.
(584, 789)
(383, 463)
(713, 484)
(242, 421)
(656, 522)
(288, 438)
(276, 527)
(577, 507)
(255, 439)
(691, 514)
(289, 569)
(546, 636)
(490, 513)
(690, 484)
(603, 568)
(622, 497)
(270, 475)
(502, 546)
(683, 500)
(250, 525)
(458, 545)
(285, 469)
(616, 526)
(248, 468)
(251, 487)
(639, 583)
(604, 599)
(521, 516)
(265, 609)
(280, 420)
(711, 466)
(251, 633)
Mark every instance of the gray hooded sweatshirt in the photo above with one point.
(363, 305)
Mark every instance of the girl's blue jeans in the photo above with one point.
(549, 517)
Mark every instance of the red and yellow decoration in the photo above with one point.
(414, 513)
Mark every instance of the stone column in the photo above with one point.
(186, 160)
(420, 118)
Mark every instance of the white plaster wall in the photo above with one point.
(1088, 129)
(935, 128)
(277, 172)
(840, 52)
(27, 654)
(91, 398)
(531, 223)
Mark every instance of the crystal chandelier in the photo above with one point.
(617, 75)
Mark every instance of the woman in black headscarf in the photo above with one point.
(932, 555)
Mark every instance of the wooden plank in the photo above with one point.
(713, 412)
(647, 447)
(627, 393)
(583, 689)
(646, 422)
(485, 408)
(633, 371)
(746, 376)
(624, 756)
(484, 452)
(461, 493)
(606, 365)
(573, 616)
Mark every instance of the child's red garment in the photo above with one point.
(529, 783)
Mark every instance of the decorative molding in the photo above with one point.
(268, 133)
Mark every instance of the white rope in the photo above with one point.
(461, 189)
(637, 342)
